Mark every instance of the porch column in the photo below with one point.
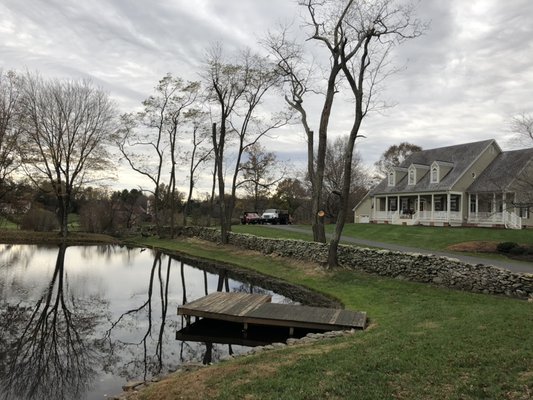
(504, 208)
(432, 206)
(493, 205)
(448, 204)
(373, 209)
(418, 206)
(398, 205)
(469, 205)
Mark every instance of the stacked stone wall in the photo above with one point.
(442, 271)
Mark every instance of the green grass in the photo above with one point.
(426, 237)
(272, 232)
(423, 343)
(434, 238)
(7, 224)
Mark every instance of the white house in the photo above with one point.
(472, 184)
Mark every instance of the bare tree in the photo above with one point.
(199, 153)
(237, 90)
(394, 156)
(361, 34)
(225, 85)
(148, 140)
(522, 126)
(65, 128)
(334, 176)
(297, 74)
(9, 102)
(259, 172)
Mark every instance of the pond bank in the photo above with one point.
(426, 268)
(424, 342)
(421, 341)
(12, 236)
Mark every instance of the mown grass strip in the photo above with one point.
(425, 237)
(424, 342)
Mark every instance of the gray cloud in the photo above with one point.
(462, 81)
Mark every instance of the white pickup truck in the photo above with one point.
(275, 216)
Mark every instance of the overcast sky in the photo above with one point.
(462, 80)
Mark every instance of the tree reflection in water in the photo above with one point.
(60, 340)
(151, 363)
(49, 351)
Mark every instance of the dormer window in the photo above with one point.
(412, 176)
(435, 174)
(391, 178)
(439, 170)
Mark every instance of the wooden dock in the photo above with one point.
(259, 310)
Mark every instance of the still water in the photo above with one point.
(78, 322)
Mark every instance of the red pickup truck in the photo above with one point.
(251, 218)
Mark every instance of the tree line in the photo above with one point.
(63, 132)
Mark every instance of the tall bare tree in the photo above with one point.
(65, 127)
(225, 84)
(237, 90)
(297, 74)
(148, 140)
(9, 102)
(361, 33)
(199, 153)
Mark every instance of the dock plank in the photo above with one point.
(258, 309)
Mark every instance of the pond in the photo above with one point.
(78, 322)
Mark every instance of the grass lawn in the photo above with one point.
(434, 238)
(423, 343)
(272, 232)
(7, 224)
(426, 237)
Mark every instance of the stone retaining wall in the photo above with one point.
(442, 271)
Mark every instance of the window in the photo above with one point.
(412, 176)
(391, 178)
(473, 203)
(434, 175)
(455, 202)
(393, 206)
(523, 212)
(440, 203)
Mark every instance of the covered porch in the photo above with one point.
(495, 209)
(412, 209)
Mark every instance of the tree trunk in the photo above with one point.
(219, 151)
(345, 193)
(319, 233)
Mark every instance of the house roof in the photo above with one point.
(460, 156)
(502, 172)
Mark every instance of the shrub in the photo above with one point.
(97, 217)
(39, 220)
(505, 247)
(518, 251)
